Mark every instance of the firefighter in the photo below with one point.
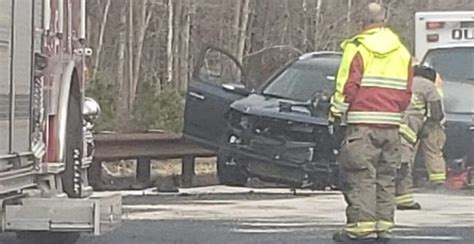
(426, 106)
(432, 144)
(373, 88)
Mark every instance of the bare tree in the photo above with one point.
(122, 106)
(131, 32)
(243, 29)
(169, 46)
(266, 31)
(185, 42)
(236, 25)
(100, 42)
(143, 22)
(349, 17)
(305, 31)
(177, 39)
(317, 21)
(156, 40)
(286, 20)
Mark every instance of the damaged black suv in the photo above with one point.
(277, 132)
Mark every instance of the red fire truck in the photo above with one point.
(46, 142)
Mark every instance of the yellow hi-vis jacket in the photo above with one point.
(383, 90)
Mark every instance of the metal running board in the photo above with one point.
(97, 214)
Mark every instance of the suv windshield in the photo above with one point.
(303, 79)
(454, 64)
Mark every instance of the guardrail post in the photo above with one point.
(143, 170)
(187, 171)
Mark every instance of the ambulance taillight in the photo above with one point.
(434, 25)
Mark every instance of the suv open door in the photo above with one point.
(217, 82)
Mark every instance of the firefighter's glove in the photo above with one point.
(333, 121)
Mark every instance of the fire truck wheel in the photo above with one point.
(74, 137)
(32, 237)
(228, 170)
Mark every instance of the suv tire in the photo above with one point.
(229, 174)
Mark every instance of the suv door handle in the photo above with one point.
(197, 95)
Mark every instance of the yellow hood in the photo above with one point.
(380, 41)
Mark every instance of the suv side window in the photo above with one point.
(219, 68)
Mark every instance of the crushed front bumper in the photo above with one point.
(290, 162)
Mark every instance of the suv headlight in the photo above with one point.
(244, 122)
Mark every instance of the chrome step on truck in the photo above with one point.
(95, 215)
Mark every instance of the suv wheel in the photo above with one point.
(228, 172)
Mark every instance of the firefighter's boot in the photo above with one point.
(345, 237)
(414, 206)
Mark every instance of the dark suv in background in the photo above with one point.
(455, 63)
(277, 132)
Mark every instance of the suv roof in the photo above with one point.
(454, 45)
(318, 54)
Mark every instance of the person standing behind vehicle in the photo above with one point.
(432, 143)
(425, 107)
(373, 88)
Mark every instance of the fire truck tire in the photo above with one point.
(74, 146)
(32, 237)
(228, 172)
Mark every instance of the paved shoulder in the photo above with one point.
(215, 215)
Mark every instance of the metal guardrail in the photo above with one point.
(143, 148)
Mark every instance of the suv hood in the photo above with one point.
(260, 105)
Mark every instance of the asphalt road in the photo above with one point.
(271, 232)
(217, 215)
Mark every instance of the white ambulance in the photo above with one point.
(433, 29)
(445, 42)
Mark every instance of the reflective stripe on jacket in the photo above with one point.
(413, 118)
(408, 133)
(360, 117)
(374, 79)
(439, 85)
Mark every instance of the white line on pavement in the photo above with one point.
(434, 238)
